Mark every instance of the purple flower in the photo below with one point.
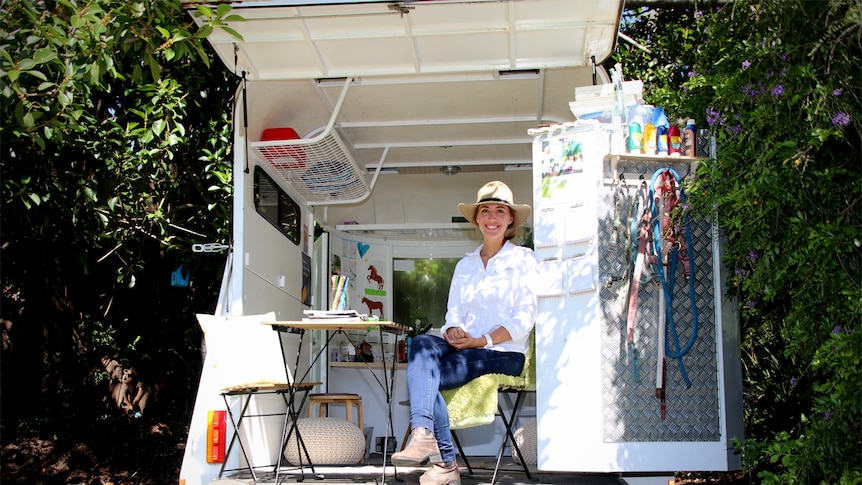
(841, 119)
(746, 64)
(692, 73)
(734, 130)
(782, 72)
(752, 304)
(793, 381)
(713, 117)
(752, 255)
(837, 92)
(698, 14)
(826, 415)
(785, 57)
(778, 90)
(837, 329)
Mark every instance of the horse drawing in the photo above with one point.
(376, 277)
(373, 305)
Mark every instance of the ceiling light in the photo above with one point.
(450, 169)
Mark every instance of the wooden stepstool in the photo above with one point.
(325, 399)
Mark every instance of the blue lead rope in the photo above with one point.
(668, 282)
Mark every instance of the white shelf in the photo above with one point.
(612, 173)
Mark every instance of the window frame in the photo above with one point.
(284, 201)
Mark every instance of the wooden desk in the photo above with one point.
(337, 326)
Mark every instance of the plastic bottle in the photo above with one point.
(690, 139)
(675, 146)
(636, 136)
(648, 146)
(618, 114)
(661, 128)
(661, 140)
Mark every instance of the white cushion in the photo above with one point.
(330, 441)
(243, 351)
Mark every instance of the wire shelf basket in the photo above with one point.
(319, 169)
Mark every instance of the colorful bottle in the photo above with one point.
(659, 119)
(649, 140)
(690, 139)
(662, 143)
(675, 138)
(635, 139)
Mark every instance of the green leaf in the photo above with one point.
(158, 127)
(232, 32)
(89, 194)
(204, 10)
(26, 64)
(205, 30)
(44, 55)
(223, 9)
(37, 74)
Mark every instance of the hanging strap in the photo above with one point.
(643, 223)
(666, 238)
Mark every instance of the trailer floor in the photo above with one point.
(371, 473)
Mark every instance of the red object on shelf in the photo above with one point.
(283, 156)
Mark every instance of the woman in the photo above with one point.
(491, 311)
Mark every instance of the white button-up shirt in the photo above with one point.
(503, 294)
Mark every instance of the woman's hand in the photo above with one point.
(461, 340)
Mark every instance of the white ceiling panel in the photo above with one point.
(295, 41)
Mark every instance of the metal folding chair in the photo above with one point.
(465, 411)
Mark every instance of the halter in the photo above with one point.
(658, 239)
(669, 247)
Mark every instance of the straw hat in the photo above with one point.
(496, 193)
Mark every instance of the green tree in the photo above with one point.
(776, 82)
(115, 160)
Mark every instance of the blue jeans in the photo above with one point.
(434, 365)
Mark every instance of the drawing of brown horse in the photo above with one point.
(373, 305)
(376, 277)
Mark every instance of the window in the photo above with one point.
(276, 206)
(421, 290)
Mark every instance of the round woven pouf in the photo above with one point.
(525, 437)
(330, 441)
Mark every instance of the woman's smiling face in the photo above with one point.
(494, 219)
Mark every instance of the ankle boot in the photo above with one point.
(421, 450)
(441, 474)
